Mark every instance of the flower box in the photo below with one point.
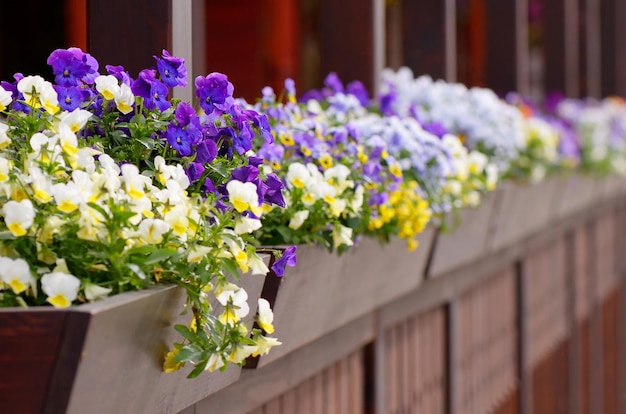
(325, 291)
(103, 357)
(465, 242)
(577, 194)
(522, 210)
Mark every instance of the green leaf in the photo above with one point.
(199, 369)
(187, 333)
(159, 256)
(231, 267)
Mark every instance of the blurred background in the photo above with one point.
(577, 47)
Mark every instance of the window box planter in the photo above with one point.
(103, 357)
(522, 210)
(325, 291)
(465, 242)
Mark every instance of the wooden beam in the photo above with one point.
(429, 38)
(507, 46)
(128, 33)
(560, 47)
(347, 49)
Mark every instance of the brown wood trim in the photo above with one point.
(64, 372)
(256, 387)
(111, 23)
(30, 341)
(424, 37)
(347, 49)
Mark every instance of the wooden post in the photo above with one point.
(506, 66)
(613, 49)
(560, 35)
(523, 371)
(593, 45)
(429, 37)
(128, 33)
(347, 49)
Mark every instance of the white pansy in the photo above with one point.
(197, 253)
(235, 303)
(135, 184)
(491, 170)
(342, 235)
(108, 86)
(357, 202)
(4, 136)
(41, 185)
(5, 99)
(298, 175)
(246, 225)
(266, 316)
(18, 216)
(95, 292)
(68, 197)
(15, 273)
(176, 218)
(5, 169)
(477, 162)
(241, 352)
(85, 160)
(30, 87)
(337, 206)
(124, 99)
(243, 196)
(76, 120)
(60, 287)
(298, 219)
(49, 98)
(151, 231)
(257, 265)
(265, 344)
(215, 362)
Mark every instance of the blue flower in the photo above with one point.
(214, 92)
(158, 92)
(71, 98)
(206, 151)
(288, 258)
(120, 74)
(194, 171)
(67, 69)
(172, 70)
(178, 138)
(273, 193)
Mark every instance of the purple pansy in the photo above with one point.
(158, 93)
(67, 69)
(214, 92)
(120, 74)
(206, 151)
(333, 82)
(288, 258)
(357, 89)
(273, 193)
(178, 138)
(71, 97)
(172, 70)
(245, 174)
(141, 86)
(90, 61)
(194, 171)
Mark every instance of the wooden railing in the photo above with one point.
(536, 326)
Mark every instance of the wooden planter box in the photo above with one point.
(466, 242)
(325, 291)
(578, 193)
(523, 210)
(103, 357)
